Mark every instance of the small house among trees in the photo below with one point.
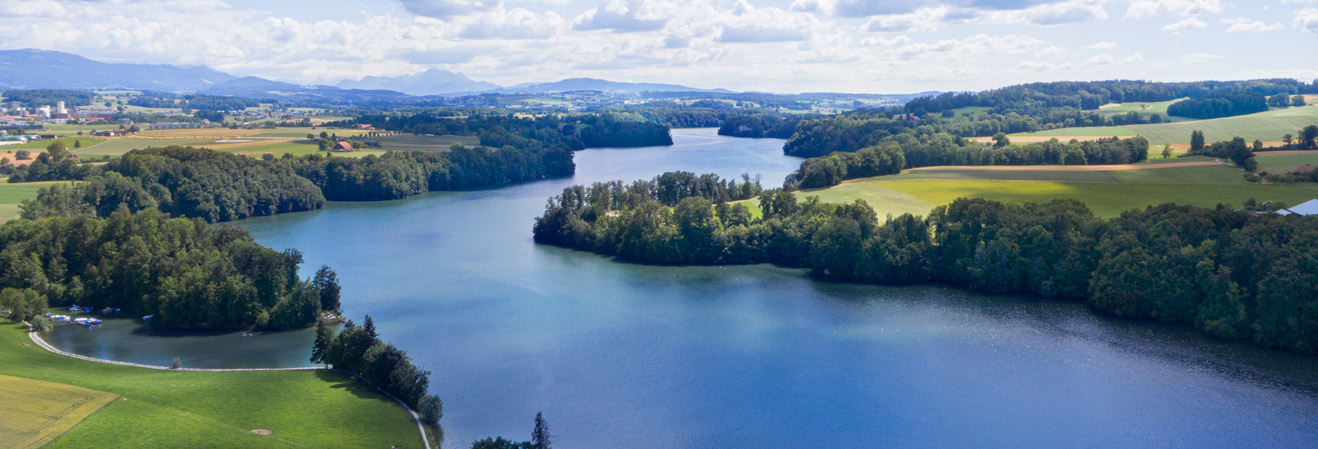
(341, 146)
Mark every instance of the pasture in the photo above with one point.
(42, 144)
(281, 147)
(1107, 193)
(1268, 126)
(11, 195)
(428, 143)
(170, 409)
(119, 146)
(34, 412)
(1285, 162)
(301, 132)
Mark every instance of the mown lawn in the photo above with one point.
(170, 409)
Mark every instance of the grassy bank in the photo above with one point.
(169, 409)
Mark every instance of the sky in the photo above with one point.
(785, 46)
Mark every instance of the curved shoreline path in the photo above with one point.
(425, 440)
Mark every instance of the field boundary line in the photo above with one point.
(420, 427)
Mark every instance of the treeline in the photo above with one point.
(359, 351)
(199, 102)
(1231, 274)
(1225, 105)
(184, 272)
(1089, 95)
(217, 186)
(499, 129)
(48, 97)
(903, 151)
(779, 126)
(53, 165)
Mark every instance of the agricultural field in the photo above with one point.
(301, 133)
(34, 412)
(294, 147)
(429, 143)
(1268, 126)
(1145, 109)
(119, 146)
(169, 409)
(1107, 193)
(970, 110)
(42, 144)
(13, 194)
(1285, 162)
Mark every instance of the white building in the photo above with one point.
(1306, 208)
(59, 108)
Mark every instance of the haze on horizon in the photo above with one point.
(783, 46)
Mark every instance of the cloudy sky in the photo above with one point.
(766, 45)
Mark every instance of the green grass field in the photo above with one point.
(1267, 126)
(1106, 193)
(970, 110)
(301, 133)
(42, 144)
(13, 194)
(34, 412)
(432, 143)
(1143, 108)
(171, 409)
(296, 148)
(117, 147)
(1286, 162)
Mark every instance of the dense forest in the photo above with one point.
(183, 272)
(903, 151)
(1089, 95)
(779, 126)
(1225, 105)
(1231, 274)
(217, 186)
(48, 97)
(498, 128)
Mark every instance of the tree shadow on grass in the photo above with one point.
(354, 386)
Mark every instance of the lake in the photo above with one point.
(624, 355)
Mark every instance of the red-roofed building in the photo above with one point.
(342, 146)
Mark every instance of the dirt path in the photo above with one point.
(42, 343)
(1122, 167)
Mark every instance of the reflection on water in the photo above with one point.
(624, 355)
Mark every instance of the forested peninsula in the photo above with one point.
(1232, 275)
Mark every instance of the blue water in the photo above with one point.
(623, 355)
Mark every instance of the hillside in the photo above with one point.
(40, 69)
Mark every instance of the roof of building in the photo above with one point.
(1306, 208)
(343, 145)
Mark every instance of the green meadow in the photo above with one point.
(1107, 193)
(11, 195)
(1268, 126)
(42, 144)
(173, 409)
(428, 143)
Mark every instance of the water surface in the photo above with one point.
(623, 355)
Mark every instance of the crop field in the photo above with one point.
(301, 133)
(202, 132)
(970, 110)
(429, 143)
(1268, 126)
(294, 147)
(34, 412)
(172, 409)
(1000, 175)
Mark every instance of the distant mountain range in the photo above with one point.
(572, 84)
(429, 82)
(39, 69)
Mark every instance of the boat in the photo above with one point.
(94, 321)
(79, 320)
(147, 318)
(75, 308)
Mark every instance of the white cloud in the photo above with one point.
(1133, 59)
(1146, 9)
(1103, 45)
(1248, 25)
(442, 9)
(1100, 59)
(925, 19)
(884, 42)
(516, 23)
(1307, 19)
(1189, 22)
(625, 16)
(1198, 58)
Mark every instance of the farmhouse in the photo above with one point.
(342, 146)
(110, 133)
(1306, 208)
